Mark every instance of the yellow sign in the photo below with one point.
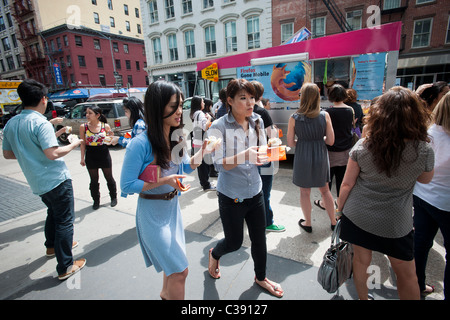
(9, 84)
(211, 73)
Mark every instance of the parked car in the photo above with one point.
(112, 110)
(51, 112)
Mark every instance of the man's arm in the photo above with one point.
(54, 153)
(9, 154)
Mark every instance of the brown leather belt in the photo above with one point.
(163, 196)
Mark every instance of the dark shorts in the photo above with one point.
(399, 248)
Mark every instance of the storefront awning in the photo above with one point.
(69, 94)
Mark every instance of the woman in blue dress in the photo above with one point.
(158, 218)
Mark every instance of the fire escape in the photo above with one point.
(33, 58)
(337, 15)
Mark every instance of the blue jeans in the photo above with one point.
(59, 224)
(427, 220)
(267, 180)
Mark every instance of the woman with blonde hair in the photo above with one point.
(376, 194)
(432, 200)
(311, 164)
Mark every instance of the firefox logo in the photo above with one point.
(287, 79)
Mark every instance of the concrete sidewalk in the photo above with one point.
(115, 267)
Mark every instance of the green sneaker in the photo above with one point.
(275, 228)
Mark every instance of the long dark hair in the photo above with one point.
(136, 108)
(97, 110)
(157, 97)
(196, 104)
(398, 115)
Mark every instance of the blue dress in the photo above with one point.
(159, 224)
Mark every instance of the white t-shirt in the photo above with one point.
(437, 192)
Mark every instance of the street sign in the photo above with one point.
(58, 76)
(211, 73)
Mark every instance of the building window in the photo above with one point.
(130, 80)
(318, 27)
(112, 22)
(391, 4)
(138, 26)
(187, 6)
(94, 2)
(14, 41)
(287, 31)
(354, 19)
(153, 8)
(170, 10)
(6, 45)
(97, 44)
(9, 20)
(10, 63)
(102, 79)
(253, 37)
(118, 64)
(230, 36)
(127, 26)
(81, 61)
(66, 41)
(136, 12)
(128, 64)
(424, 1)
(110, 5)
(96, 18)
(138, 66)
(125, 48)
(208, 4)
(100, 63)
(78, 41)
(210, 40)
(173, 49)
(447, 38)
(157, 53)
(58, 43)
(125, 9)
(115, 46)
(422, 33)
(189, 42)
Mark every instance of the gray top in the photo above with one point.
(243, 181)
(381, 205)
(311, 166)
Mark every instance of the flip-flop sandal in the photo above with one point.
(425, 292)
(317, 203)
(277, 291)
(217, 271)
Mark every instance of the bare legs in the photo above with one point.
(405, 271)
(174, 286)
(327, 200)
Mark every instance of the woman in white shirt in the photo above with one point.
(201, 122)
(432, 200)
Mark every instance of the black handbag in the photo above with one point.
(336, 266)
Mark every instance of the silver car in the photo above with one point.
(112, 110)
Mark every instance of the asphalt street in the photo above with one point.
(115, 267)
